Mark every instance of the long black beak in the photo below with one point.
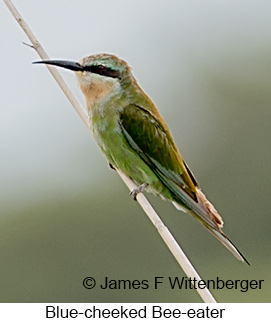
(74, 66)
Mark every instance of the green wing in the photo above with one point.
(153, 142)
(155, 145)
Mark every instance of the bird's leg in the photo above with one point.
(138, 190)
(111, 166)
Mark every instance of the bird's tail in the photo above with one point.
(205, 212)
(227, 243)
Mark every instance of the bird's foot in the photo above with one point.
(111, 166)
(138, 190)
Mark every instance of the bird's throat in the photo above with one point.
(98, 92)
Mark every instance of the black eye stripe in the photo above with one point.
(102, 70)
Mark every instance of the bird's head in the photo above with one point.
(100, 73)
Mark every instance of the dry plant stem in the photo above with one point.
(42, 53)
(146, 206)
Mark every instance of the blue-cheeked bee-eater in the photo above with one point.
(135, 139)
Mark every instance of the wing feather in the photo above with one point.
(153, 142)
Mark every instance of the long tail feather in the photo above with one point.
(228, 244)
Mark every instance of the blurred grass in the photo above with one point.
(47, 249)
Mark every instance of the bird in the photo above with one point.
(135, 139)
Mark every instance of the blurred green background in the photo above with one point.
(64, 215)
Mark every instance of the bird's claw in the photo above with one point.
(138, 190)
(111, 166)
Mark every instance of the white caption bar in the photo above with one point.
(111, 312)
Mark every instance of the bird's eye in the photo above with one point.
(100, 69)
